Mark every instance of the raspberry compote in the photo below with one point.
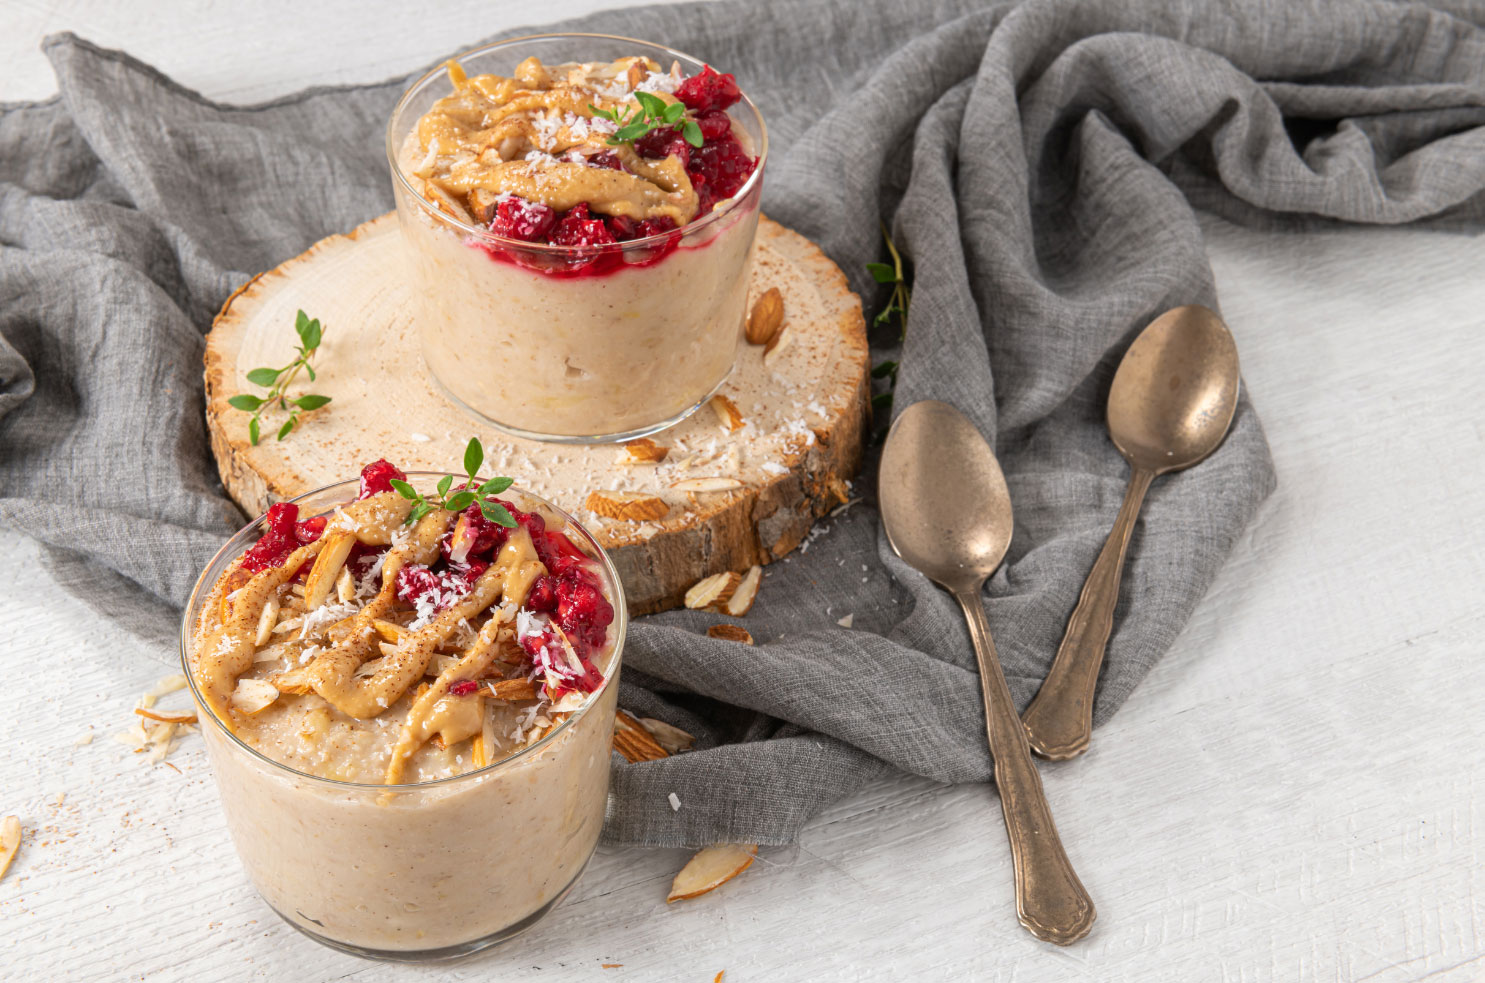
(384, 696)
(580, 215)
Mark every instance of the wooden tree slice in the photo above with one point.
(805, 414)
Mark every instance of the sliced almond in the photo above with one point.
(266, 621)
(389, 631)
(253, 696)
(741, 601)
(727, 412)
(328, 564)
(671, 738)
(711, 868)
(633, 741)
(644, 450)
(707, 484)
(709, 592)
(730, 633)
(631, 506)
(774, 350)
(766, 317)
(446, 202)
(345, 585)
(10, 841)
(482, 205)
(513, 689)
(166, 718)
(636, 74)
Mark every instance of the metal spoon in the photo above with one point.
(948, 514)
(1171, 403)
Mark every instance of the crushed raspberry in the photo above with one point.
(718, 170)
(464, 687)
(528, 221)
(708, 91)
(310, 529)
(543, 595)
(488, 536)
(714, 125)
(625, 229)
(579, 228)
(420, 585)
(377, 477)
(583, 612)
(607, 159)
(663, 142)
(279, 539)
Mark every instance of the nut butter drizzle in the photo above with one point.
(496, 135)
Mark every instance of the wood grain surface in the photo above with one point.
(1295, 792)
(807, 412)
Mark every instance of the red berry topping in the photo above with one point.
(543, 595)
(488, 536)
(607, 159)
(377, 477)
(436, 590)
(280, 538)
(310, 529)
(664, 142)
(464, 687)
(708, 91)
(719, 170)
(579, 228)
(582, 611)
(714, 125)
(528, 221)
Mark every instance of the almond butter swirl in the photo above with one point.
(535, 136)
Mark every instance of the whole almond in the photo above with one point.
(730, 633)
(631, 506)
(767, 316)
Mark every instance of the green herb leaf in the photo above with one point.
(461, 501)
(263, 377)
(474, 456)
(288, 427)
(418, 511)
(652, 104)
(631, 132)
(882, 272)
(245, 401)
(673, 112)
(309, 331)
(495, 486)
(692, 132)
(253, 434)
(881, 401)
(310, 402)
(498, 514)
(311, 370)
(444, 484)
(887, 368)
(404, 489)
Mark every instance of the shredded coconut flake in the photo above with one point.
(675, 802)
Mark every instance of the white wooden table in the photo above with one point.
(1296, 792)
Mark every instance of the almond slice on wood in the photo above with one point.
(253, 696)
(709, 592)
(775, 348)
(644, 450)
(741, 601)
(10, 841)
(633, 741)
(166, 718)
(266, 621)
(711, 868)
(631, 506)
(730, 633)
(707, 484)
(767, 315)
(727, 412)
(328, 564)
(513, 689)
(670, 737)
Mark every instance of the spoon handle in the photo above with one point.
(1051, 903)
(1059, 721)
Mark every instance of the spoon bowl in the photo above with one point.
(948, 514)
(1171, 403)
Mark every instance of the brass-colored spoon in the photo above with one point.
(1171, 404)
(947, 513)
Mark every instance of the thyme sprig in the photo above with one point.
(652, 113)
(474, 456)
(277, 382)
(897, 306)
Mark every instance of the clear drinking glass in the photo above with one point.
(576, 344)
(436, 870)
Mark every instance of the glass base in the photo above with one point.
(448, 953)
(549, 438)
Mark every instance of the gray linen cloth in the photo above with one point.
(1036, 162)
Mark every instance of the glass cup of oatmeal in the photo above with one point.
(568, 288)
(431, 818)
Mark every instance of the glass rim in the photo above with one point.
(620, 625)
(750, 186)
